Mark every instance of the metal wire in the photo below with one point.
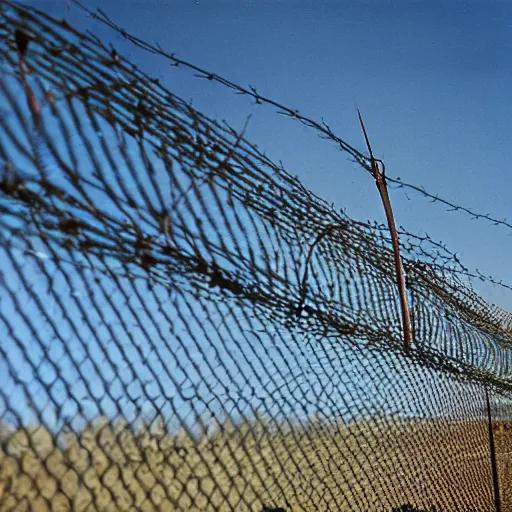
(170, 341)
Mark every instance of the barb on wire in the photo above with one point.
(452, 206)
(380, 180)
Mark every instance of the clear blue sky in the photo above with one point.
(432, 79)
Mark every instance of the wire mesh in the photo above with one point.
(173, 338)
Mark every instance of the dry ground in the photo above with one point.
(368, 465)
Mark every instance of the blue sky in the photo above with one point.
(432, 81)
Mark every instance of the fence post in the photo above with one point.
(497, 500)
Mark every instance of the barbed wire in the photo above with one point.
(146, 119)
(321, 127)
(153, 269)
(325, 131)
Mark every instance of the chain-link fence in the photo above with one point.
(183, 326)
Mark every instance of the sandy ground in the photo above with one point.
(258, 466)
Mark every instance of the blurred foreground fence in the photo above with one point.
(153, 355)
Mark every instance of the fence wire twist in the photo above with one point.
(172, 338)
